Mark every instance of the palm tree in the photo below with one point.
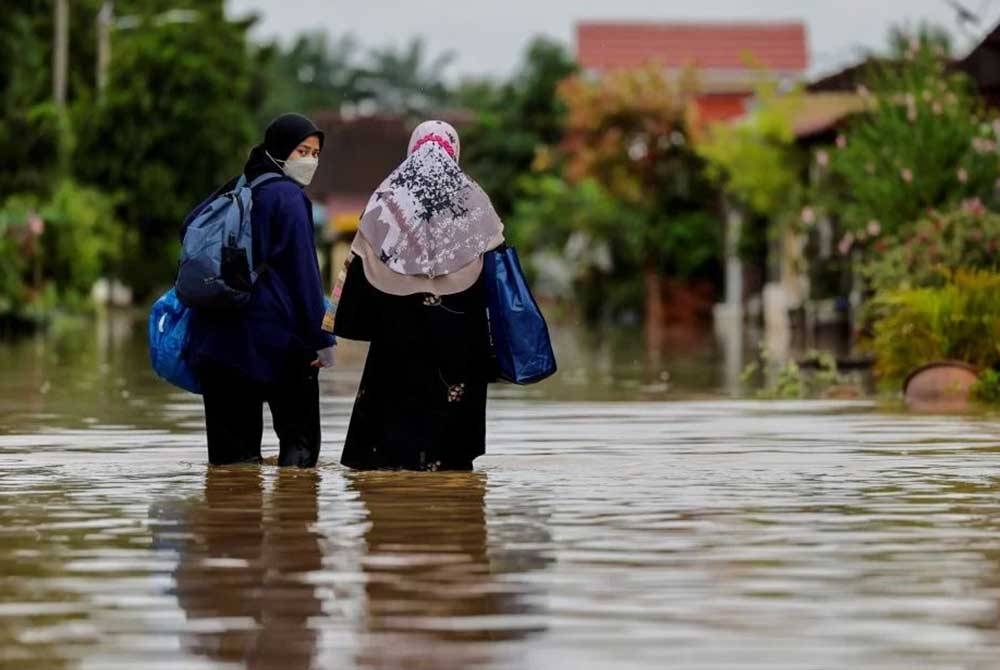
(402, 81)
(315, 73)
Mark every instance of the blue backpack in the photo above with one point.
(215, 272)
(217, 268)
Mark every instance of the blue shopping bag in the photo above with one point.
(519, 336)
(168, 338)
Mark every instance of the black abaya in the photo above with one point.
(422, 400)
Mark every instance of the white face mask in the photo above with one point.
(301, 169)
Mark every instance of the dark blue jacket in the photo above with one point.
(280, 331)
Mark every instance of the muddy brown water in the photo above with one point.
(627, 515)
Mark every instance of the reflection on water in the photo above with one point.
(244, 559)
(637, 533)
(430, 589)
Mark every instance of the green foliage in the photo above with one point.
(34, 133)
(80, 242)
(936, 248)
(905, 40)
(579, 223)
(790, 381)
(957, 321)
(630, 133)
(83, 240)
(514, 121)
(754, 161)
(13, 264)
(925, 144)
(175, 123)
(404, 82)
(987, 387)
(315, 73)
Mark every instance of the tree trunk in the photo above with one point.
(654, 314)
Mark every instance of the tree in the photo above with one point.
(315, 73)
(402, 82)
(754, 160)
(35, 134)
(629, 132)
(175, 123)
(516, 120)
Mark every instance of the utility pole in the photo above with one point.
(60, 54)
(105, 21)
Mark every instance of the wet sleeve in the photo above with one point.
(305, 280)
(354, 303)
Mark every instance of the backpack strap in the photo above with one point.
(260, 269)
(265, 178)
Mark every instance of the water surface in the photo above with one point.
(627, 515)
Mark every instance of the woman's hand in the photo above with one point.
(324, 358)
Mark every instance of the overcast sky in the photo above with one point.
(488, 35)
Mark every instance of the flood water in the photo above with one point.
(628, 514)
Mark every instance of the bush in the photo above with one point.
(937, 247)
(575, 231)
(957, 321)
(987, 387)
(12, 263)
(925, 142)
(53, 250)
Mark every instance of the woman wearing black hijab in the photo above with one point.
(271, 351)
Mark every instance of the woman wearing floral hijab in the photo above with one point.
(412, 288)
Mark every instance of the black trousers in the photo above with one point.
(234, 416)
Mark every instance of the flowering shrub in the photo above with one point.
(937, 246)
(925, 143)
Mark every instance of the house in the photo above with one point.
(358, 154)
(729, 57)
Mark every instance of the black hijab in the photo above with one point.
(283, 134)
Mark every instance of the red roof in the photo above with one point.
(716, 46)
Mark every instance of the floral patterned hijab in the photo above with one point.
(427, 226)
(428, 220)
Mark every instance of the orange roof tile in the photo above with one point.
(723, 46)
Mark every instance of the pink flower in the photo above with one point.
(36, 225)
(937, 109)
(841, 141)
(844, 247)
(911, 114)
(863, 91)
(874, 228)
(907, 175)
(808, 215)
(822, 158)
(963, 175)
(974, 206)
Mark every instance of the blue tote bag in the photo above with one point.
(519, 336)
(168, 338)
